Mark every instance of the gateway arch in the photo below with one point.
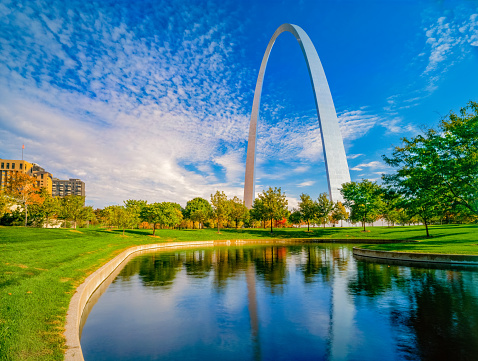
(332, 142)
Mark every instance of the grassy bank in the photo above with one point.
(40, 269)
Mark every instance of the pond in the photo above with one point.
(275, 302)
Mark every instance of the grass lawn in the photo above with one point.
(40, 269)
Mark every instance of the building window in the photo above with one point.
(13, 165)
(42, 176)
(8, 165)
(3, 165)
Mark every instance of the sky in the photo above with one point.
(151, 99)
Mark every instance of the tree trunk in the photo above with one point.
(271, 224)
(426, 227)
(218, 225)
(308, 226)
(363, 223)
(26, 213)
(154, 229)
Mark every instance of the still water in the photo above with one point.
(306, 302)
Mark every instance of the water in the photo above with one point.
(307, 302)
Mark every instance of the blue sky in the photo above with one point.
(151, 99)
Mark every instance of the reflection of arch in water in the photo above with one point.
(332, 142)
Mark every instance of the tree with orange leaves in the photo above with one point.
(24, 190)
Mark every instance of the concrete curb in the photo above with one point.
(418, 257)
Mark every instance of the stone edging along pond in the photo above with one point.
(94, 281)
(455, 259)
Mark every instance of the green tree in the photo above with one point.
(257, 211)
(363, 199)
(295, 217)
(73, 209)
(134, 207)
(307, 209)
(221, 207)
(440, 164)
(50, 207)
(273, 204)
(152, 213)
(172, 214)
(339, 213)
(198, 210)
(238, 211)
(324, 207)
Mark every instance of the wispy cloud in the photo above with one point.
(371, 165)
(122, 101)
(448, 39)
(306, 184)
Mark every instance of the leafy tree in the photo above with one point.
(220, 206)
(307, 209)
(73, 209)
(123, 217)
(295, 217)
(172, 215)
(23, 190)
(257, 211)
(5, 203)
(363, 199)
(198, 210)
(324, 207)
(439, 168)
(238, 211)
(134, 207)
(152, 213)
(273, 204)
(50, 207)
(339, 213)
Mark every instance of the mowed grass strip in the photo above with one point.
(40, 269)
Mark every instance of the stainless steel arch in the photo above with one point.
(334, 153)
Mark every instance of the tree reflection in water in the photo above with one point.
(319, 302)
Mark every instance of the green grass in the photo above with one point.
(40, 269)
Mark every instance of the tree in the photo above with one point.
(123, 217)
(220, 206)
(50, 207)
(73, 209)
(198, 210)
(324, 207)
(134, 207)
(439, 168)
(257, 211)
(5, 203)
(172, 215)
(23, 190)
(238, 211)
(152, 213)
(339, 213)
(273, 204)
(295, 217)
(363, 199)
(307, 209)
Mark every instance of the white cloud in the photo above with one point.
(448, 40)
(127, 112)
(372, 165)
(306, 184)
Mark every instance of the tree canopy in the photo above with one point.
(271, 204)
